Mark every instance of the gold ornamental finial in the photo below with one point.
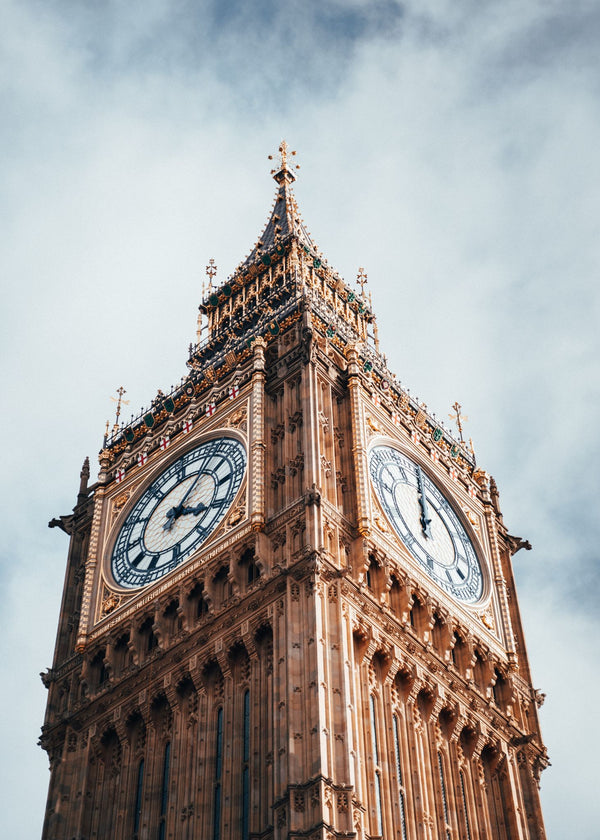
(361, 279)
(284, 173)
(459, 419)
(211, 270)
(119, 401)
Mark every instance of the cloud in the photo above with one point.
(450, 148)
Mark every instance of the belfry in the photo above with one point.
(289, 609)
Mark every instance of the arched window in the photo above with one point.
(199, 605)
(418, 617)
(479, 675)
(374, 575)
(171, 618)
(396, 597)
(99, 670)
(121, 653)
(137, 813)
(438, 634)
(222, 586)
(250, 570)
(459, 652)
(501, 689)
(164, 793)
(150, 642)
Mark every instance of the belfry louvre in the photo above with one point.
(289, 608)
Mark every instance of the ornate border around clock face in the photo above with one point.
(178, 512)
(427, 523)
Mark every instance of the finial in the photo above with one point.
(84, 477)
(459, 418)
(284, 173)
(120, 401)
(211, 270)
(472, 449)
(375, 331)
(361, 279)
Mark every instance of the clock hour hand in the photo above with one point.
(175, 512)
(200, 507)
(425, 520)
(195, 510)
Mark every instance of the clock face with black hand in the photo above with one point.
(426, 523)
(178, 512)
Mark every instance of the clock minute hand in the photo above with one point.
(425, 519)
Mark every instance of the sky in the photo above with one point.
(449, 148)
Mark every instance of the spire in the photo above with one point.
(84, 477)
(285, 222)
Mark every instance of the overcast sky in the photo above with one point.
(450, 148)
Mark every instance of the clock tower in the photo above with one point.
(289, 608)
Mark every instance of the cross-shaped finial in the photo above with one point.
(459, 418)
(284, 173)
(361, 279)
(211, 270)
(119, 401)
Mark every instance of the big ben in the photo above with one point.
(289, 608)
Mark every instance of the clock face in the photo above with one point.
(178, 512)
(426, 523)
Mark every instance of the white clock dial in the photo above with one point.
(178, 512)
(426, 523)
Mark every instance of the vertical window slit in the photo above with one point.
(400, 782)
(378, 806)
(138, 798)
(164, 795)
(246, 769)
(218, 772)
(464, 804)
(444, 799)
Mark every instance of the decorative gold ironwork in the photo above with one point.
(119, 401)
(361, 280)
(284, 151)
(211, 270)
(458, 417)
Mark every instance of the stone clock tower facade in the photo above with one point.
(289, 609)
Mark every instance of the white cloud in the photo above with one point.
(452, 155)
